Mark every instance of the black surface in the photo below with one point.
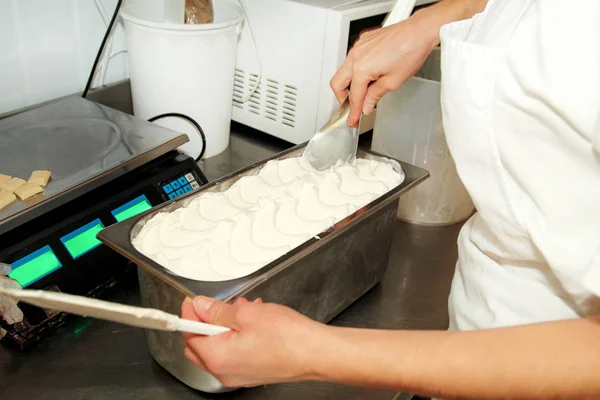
(91, 359)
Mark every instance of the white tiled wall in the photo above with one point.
(47, 48)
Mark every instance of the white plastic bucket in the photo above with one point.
(185, 69)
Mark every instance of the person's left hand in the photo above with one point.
(268, 343)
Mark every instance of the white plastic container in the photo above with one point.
(187, 69)
(408, 126)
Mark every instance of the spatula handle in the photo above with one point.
(402, 10)
(199, 328)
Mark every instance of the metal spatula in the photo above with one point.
(336, 141)
(140, 317)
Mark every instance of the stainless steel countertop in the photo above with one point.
(92, 359)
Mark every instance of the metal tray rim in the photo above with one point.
(118, 236)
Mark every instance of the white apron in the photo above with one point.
(521, 102)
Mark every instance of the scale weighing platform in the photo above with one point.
(106, 166)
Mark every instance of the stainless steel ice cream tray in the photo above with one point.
(320, 278)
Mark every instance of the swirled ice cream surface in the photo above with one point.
(231, 234)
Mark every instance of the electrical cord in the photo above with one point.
(102, 13)
(191, 121)
(258, 60)
(106, 54)
(101, 49)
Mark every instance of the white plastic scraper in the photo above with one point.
(140, 317)
(336, 141)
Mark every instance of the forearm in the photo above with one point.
(541, 361)
(432, 18)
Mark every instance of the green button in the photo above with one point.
(35, 266)
(132, 210)
(83, 239)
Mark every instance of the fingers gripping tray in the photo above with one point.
(319, 278)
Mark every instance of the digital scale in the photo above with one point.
(106, 166)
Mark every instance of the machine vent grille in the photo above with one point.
(238, 88)
(290, 94)
(271, 100)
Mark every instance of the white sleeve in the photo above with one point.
(554, 63)
(592, 276)
(591, 279)
(596, 142)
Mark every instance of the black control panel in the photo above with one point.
(59, 250)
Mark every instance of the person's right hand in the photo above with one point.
(381, 61)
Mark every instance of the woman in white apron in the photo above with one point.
(521, 103)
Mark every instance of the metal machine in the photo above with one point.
(106, 166)
(288, 52)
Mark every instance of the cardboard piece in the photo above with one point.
(199, 12)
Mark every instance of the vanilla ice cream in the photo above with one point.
(228, 235)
